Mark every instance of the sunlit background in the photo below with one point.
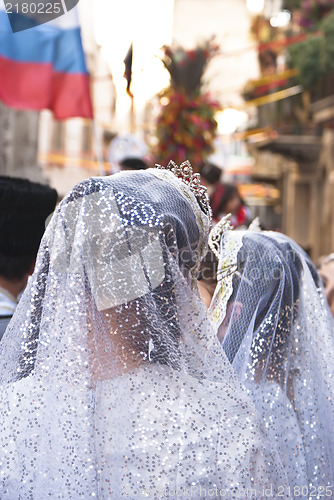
(272, 81)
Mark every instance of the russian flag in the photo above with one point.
(44, 67)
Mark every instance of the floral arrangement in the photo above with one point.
(313, 11)
(314, 57)
(186, 126)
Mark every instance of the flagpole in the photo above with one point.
(128, 76)
(132, 116)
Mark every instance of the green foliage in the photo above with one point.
(327, 55)
(306, 57)
(314, 57)
(292, 4)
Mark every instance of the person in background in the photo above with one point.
(210, 177)
(127, 152)
(228, 201)
(326, 272)
(132, 163)
(24, 207)
(225, 198)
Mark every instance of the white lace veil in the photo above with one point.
(112, 382)
(277, 331)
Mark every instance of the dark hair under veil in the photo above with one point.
(161, 299)
(113, 383)
(269, 283)
(278, 334)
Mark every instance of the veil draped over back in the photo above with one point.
(112, 382)
(270, 312)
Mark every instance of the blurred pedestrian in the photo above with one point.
(210, 177)
(227, 200)
(132, 163)
(24, 207)
(127, 152)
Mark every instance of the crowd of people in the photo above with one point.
(160, 348)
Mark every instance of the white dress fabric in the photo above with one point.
(7, 307)
(113, 384)
(270, 312)
(8, 303)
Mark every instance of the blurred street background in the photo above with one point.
(247, 86)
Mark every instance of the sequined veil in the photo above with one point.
(112, 382)
(277, 332)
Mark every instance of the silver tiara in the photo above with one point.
(186, 174)
(217, 232)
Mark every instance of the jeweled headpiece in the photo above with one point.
(255, 225)
(217, 232)
(192, 180)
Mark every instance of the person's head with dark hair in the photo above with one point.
(263, 301)
(24, 208)
(210, 173)
(265, 284)
(227, 201)
(132, 164)
(271, 315)
(139, 236)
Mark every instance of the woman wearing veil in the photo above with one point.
(109, 379)
(270, 313)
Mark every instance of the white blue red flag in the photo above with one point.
(42, 62)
